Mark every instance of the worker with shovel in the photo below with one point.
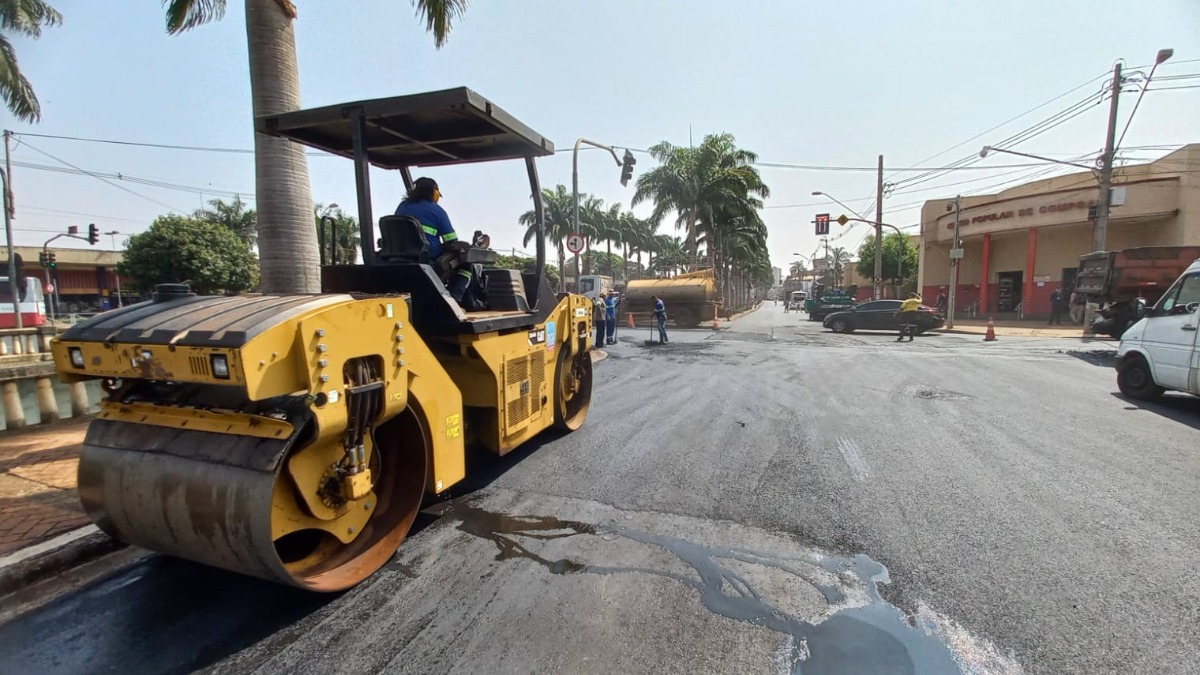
(660, 313)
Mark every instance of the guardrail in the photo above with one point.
(972, 310)
(27, 376)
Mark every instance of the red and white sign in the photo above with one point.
(575, 242)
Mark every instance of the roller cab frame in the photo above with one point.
(293, 437)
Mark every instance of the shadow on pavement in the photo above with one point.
(166, 615)
(1177, 407)
(1106, 358)
(162, 615)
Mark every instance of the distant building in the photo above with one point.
(1023, 243)
(86, 279)
(776, 277)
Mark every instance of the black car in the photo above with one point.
(879, 315)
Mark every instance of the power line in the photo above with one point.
(80, 213)
(135, 179)
(162, 146)
(101, 179)
(1015, 118)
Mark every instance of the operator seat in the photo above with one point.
(403, 240)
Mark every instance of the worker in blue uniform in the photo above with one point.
(422, 204)
(660, 313)
(610, 315)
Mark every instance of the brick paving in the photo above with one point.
(37, 483)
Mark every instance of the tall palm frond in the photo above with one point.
(23, 17)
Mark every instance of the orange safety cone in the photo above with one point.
(991, 331)
(630, 317)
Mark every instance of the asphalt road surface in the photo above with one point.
(769, 497)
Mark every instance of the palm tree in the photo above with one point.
(288, 245)
(235, 216)
(559, 207)
(704, 186)
(838, 259)
(346, 237)
(797, 269)
(24, 17)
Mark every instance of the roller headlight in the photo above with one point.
(76, 356)
(220, 366)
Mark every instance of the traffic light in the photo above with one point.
(50, 260)
(627, 168)
(43, 259)
(822, 224)
(93, 234)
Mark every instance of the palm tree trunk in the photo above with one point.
(693, 241)
(562, 266)
(286, 238)
(625, 261)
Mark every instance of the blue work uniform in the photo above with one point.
(660, 313)
(434, 221)
(610, 311)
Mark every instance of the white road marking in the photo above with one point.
(854, 459)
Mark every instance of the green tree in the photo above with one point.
(234, 215)
(176, 249)
(900, 258)
(559, 207)
(22, 17)
(284, 196)
(797, 269)
(343, 249)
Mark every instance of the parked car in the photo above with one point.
(879, 315)
(1160, 351)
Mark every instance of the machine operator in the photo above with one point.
(422, 204)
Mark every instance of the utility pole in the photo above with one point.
(879, 232)
(1106, 171)
(120, 302)
(955, 252)
(14, 286)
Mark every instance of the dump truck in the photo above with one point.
(691, 298)
(822, 302)
(1123, 283)
(293, 437)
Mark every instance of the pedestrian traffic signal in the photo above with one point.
(822, 224)
(93, 234)
(627, 168)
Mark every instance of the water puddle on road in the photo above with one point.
(859, 632)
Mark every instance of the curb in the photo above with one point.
(53, 557)
(956, 331)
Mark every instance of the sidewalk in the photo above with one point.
(1020, 329)
(37, 483)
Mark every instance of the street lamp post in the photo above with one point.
(575, 190)
(114, 234)
(903, 240)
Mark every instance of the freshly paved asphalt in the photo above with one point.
(731, 506)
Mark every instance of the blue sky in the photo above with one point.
(798, 82)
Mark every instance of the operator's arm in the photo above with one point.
(444, 228)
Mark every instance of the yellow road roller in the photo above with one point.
(293, 437)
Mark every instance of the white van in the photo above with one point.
(1160, 351)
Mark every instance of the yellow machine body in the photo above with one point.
(228, 433)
